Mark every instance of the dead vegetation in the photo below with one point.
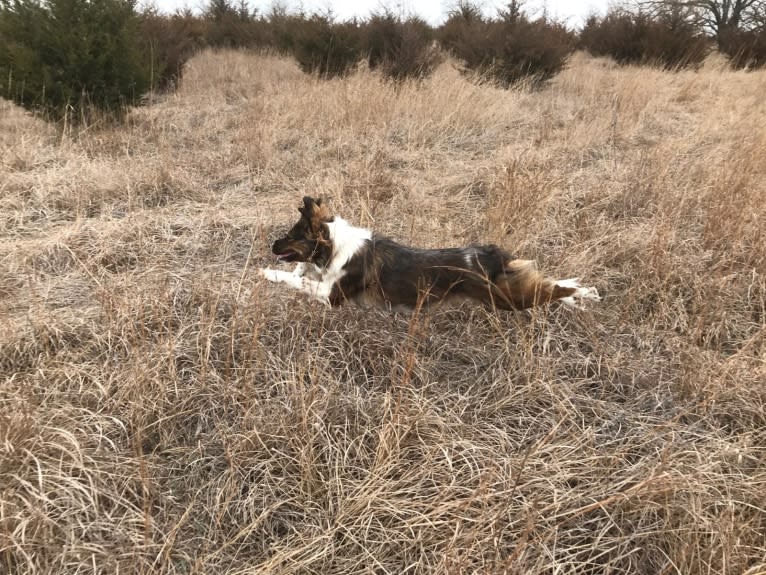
(164, 411)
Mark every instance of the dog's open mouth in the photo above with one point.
(288, 256)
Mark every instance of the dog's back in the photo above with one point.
(403, 276)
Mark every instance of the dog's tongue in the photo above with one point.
(283, 256)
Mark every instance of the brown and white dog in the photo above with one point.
(339, 262)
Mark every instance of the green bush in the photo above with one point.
(282, 27)
(536, 49)
(509, 48)
(64, 56)
(169, 41)
(399, 48)
(638, 38)
(465, 36)
(234, 26)
(322, 46)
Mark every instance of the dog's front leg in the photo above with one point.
(318, 290)
(279, 276)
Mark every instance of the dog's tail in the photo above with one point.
(522, 286)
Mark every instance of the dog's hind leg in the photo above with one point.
(522, 286)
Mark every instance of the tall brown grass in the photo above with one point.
(164, 411)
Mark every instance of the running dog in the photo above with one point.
(338, 262)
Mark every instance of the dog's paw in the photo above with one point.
(590, 293)
(581, 294)
(269, 274)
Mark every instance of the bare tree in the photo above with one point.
(719, 17)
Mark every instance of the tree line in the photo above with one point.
(64, 58)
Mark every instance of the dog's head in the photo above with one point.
(309, 239)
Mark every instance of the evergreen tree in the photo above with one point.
(63, 56)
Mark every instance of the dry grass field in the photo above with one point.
(164, 410)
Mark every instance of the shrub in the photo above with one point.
(399, 48)
(536, 48)
(170, 41)
(509, 48)
(282, 27)
(665, 40)
(745, 48)
(64, 55)
(464, 35)
(234, 26)
(325, 47)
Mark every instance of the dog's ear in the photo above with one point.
(309, 205)
(315, 212)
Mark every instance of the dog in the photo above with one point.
(338, 262)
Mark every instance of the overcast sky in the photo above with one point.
(571, 11)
